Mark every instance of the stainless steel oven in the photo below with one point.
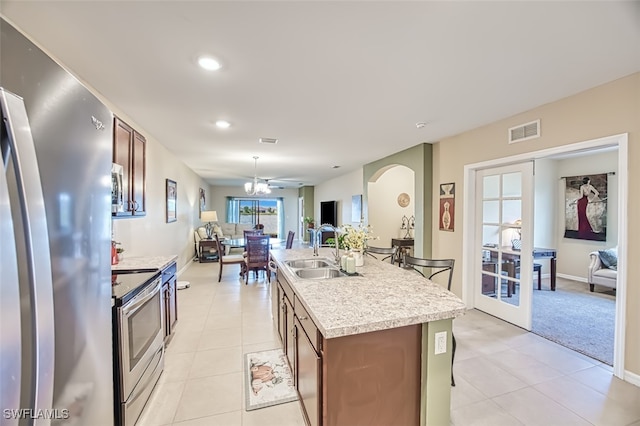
(140, 349)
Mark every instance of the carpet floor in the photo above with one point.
(576, 318)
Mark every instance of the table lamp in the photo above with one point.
(209, 216)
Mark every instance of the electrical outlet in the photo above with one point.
(441, 342)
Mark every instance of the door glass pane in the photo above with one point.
(491, 186)
(512, 184)
(491, 211)
(511, 211)
(490, 235)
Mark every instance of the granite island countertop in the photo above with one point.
(382, 296)
(144, 262)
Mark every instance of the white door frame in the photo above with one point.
(469, 224)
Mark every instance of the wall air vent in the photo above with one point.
(268, 140)
(524, 132)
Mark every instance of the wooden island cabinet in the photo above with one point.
(129, 151)
(169, 300)
(355, 359)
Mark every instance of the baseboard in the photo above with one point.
(632, 378)
(570, 277)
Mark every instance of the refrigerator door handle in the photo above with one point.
(21, 149)
(10, 344)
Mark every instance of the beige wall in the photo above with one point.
(605, 110)
(340, 189)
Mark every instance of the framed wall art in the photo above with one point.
(202, 204)
(172, 201)
(447, 206)
(586, 207)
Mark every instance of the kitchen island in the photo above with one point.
(362, 348)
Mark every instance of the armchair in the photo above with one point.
(601, 274)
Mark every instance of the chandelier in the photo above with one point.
(255, 187)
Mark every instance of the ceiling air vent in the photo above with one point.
(525, 131)
(268, 140)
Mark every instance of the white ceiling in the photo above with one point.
(338, 83)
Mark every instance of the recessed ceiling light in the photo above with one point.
(421, 124)
(268, 140)
(209, 63)
(223, 124)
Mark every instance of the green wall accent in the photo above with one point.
(435, 401)
(420, 160)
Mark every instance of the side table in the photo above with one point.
(205, 254)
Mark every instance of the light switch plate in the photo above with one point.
(441, 342)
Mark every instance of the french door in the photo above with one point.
(504, 243)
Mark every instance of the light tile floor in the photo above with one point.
(504, 375)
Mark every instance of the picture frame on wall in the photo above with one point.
(586, 207)
(447, 206)
(172, 201)
(203, 202)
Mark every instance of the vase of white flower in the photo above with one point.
(355, 239)
(358, 256)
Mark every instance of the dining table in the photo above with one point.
(230, 243)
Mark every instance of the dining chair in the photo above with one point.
(257, 255)
(248, 232)
(434, 267)
(290, 240)
(383, 253)
(228, 259)
(273, 268)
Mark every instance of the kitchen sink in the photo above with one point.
(309, 263)
(319, 273)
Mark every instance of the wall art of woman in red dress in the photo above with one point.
(588, 193)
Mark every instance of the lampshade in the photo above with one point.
(209, 216)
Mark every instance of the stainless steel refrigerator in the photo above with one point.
(56, 362)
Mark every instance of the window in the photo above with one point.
(266, 211)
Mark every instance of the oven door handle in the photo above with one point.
(141, 299)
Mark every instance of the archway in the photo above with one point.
(385, 212)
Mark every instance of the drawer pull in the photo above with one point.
(303, 318)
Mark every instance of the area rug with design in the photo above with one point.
(268, 379)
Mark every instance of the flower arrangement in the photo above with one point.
(355, 238)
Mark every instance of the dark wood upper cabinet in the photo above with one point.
(129, 151)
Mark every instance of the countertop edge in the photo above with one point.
(144, 262)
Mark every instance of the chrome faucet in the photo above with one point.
(316, 240)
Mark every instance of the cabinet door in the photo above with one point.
(122, 138)
(165, 310)
(172, 316)
(309, 379)
(138, 173)
(290, 335)
(279, 313)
